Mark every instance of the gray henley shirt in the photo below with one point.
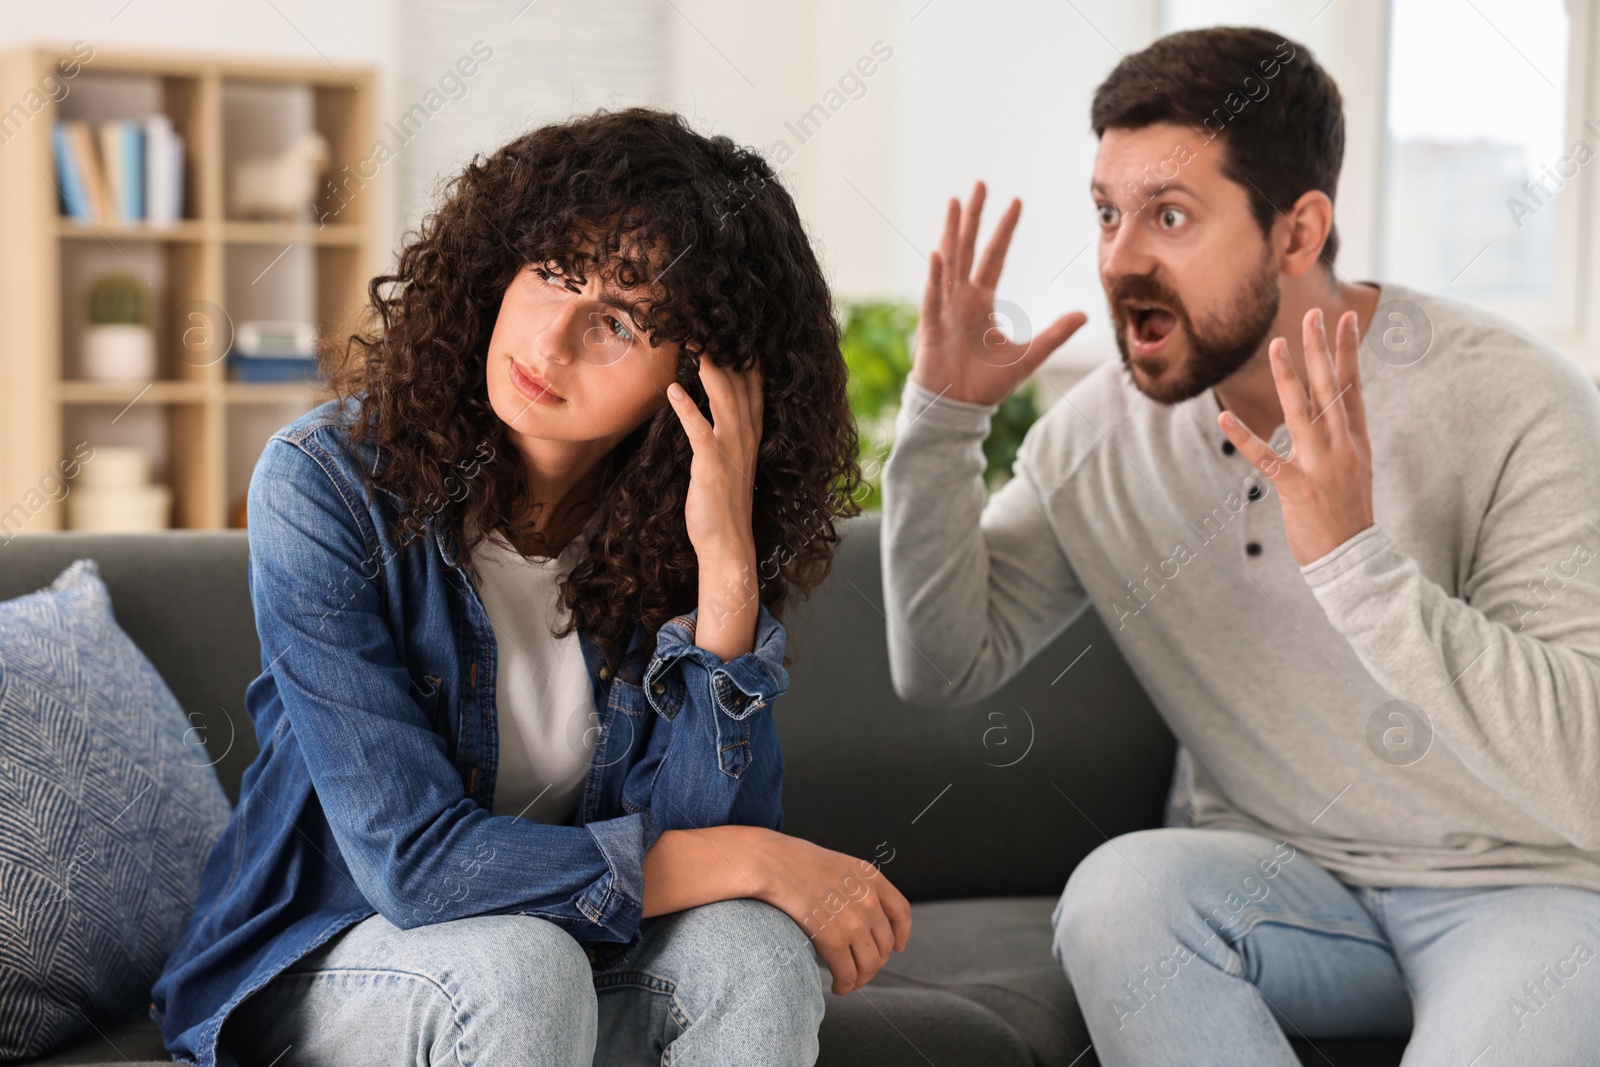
(1475, 597)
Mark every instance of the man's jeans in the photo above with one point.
(1204, 947)
(735, 982)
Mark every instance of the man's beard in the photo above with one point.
(1214, 353)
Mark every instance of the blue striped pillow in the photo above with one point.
(106, 816)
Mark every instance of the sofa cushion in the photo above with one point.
(977, 984)
(108, 808)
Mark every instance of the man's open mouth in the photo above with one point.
(1151, 323)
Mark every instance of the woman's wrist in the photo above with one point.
(764, 849)
(733, 541)
(688, 868)
(730, 603)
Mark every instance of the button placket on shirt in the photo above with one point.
(1255, 489)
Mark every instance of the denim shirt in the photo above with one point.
(375, 715)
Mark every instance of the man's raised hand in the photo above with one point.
(960, 352)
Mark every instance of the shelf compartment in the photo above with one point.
(183, 440)
(101, 93)
(176, 276)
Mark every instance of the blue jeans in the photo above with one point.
(1207, 946)
(734, 982)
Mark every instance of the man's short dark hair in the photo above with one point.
(1278, 114)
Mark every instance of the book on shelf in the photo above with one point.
(163, 151)
(274, 351)
(87, 199)
(122, 150)
(136, 175)
(69, 176)
(261, 337)
(273, 368)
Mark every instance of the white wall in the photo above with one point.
(751, 72)
(546, 61)
(1001, 91)
(998, 91)
(355, 30)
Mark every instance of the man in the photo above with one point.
(1345, 533)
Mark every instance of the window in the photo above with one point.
(1480, 166)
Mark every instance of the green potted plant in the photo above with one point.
(877, 341)
(118, 345)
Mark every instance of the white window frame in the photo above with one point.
(1354, 48)
(1566, 318)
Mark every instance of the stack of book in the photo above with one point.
(273, 352)
(135, 174)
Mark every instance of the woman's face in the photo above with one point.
(567, 363)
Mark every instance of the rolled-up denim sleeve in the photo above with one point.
(721, 763)
(418, 847)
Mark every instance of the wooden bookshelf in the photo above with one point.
(213, 428)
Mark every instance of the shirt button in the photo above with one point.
(1227, 448)
(605, 673)
(1252, 549)
(657, 687)
(1254, 493)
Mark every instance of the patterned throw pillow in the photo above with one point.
(106, 816)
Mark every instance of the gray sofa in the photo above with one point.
(979, 814)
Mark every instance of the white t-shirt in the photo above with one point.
(544, 710)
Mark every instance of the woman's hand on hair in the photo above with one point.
(719, 508)
(960, 351)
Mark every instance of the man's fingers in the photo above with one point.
(1036, 351)
(1347, 369)
(994, 253)
(947, 241)
(969, 232)
(1320, 372)
(1271, 465)
(933, 292)
(1055, 335)
(1297, 409)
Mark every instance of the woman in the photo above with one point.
(517, 799)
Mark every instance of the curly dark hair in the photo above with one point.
(717, 260)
